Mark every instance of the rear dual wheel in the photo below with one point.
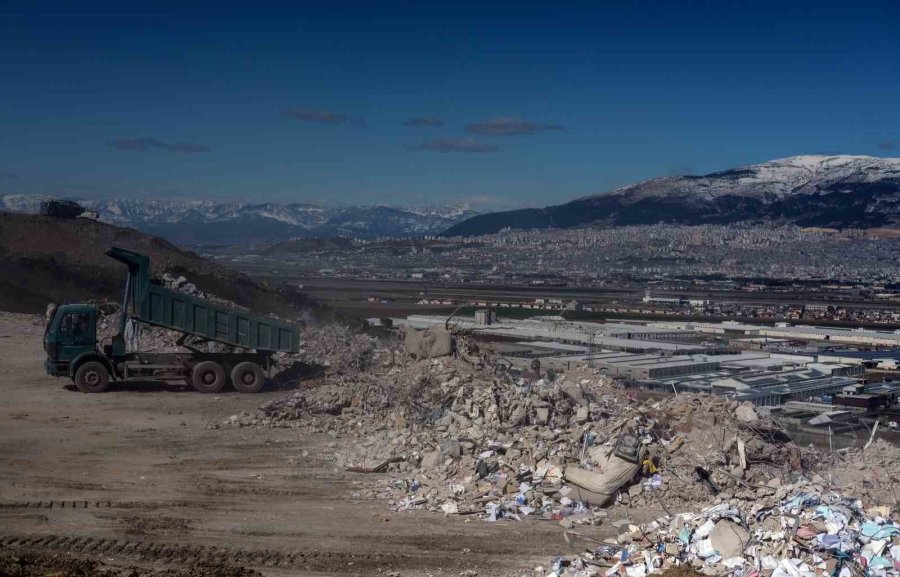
(248, 377)
(208, 377)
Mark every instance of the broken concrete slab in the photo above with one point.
(729, 538)
(746, 413)
(431, 459)
(429, 343)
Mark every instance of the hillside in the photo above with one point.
(45, 260)
(824, 191)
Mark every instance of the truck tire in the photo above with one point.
(248, 377)
(208, 377)
(92, 377)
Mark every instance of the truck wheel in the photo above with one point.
(247, 377)
(208, 377)
(92, 377)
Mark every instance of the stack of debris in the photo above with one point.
(339, 349)
(870, 474)
(464, 435)
(181, 284)
(804, 530)
(467, 435)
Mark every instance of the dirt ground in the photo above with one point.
(133, 477)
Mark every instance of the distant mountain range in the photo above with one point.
(824, 191)
(189, 222)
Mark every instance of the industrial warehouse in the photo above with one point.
(722, 359)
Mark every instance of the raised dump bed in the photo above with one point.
(201, 318)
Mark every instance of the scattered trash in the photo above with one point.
(811, 532)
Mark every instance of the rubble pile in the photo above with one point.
(464, 435)
(338, 349)
(138, 336)
(803, 530)
(181, 284)
(693, 483)
(871, 474)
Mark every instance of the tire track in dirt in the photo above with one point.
(90, 504)
(179, 554)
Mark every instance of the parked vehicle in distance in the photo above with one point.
(62, 209)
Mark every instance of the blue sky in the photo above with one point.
(527, 103)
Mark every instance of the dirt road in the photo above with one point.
(135, 477)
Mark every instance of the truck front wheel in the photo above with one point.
(247, 377)
(208, 377)
(92, 377)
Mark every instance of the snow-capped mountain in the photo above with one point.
(451, 211)
(196, 222)
(26, 203)
(834, 191)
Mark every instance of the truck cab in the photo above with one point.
(70, 336)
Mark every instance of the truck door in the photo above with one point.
(77, 334)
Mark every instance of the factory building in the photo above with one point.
(647, 366)
(765, 388)
(634, 339)
(650, 299)
(801, 332)
(660, 356)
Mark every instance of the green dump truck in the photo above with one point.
(246, 342)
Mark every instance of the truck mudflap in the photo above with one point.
(56, 369)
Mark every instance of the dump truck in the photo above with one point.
(246, 343)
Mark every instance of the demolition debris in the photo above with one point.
(688, 480)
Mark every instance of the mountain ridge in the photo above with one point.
(840, 191)
(198, 222)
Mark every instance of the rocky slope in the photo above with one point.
(828, 191)
(45, 260)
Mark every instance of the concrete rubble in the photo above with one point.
(428, 343)
(338, 349)
(181, 284)
(685, 479)
(453, 416)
